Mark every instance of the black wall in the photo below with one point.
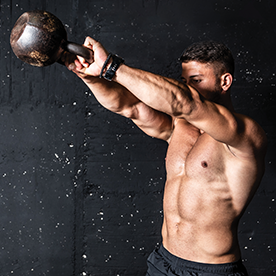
(81, 188)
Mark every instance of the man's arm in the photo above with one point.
(118, 99)
(244, 136)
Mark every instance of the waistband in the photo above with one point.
(175, 261)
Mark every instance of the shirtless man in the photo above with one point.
(215, 158)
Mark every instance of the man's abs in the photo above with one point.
(198, 225)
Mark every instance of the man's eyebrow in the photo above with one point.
(193, 76)
(198, 75)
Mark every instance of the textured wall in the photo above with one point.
(81, 188)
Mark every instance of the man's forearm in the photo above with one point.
(163, 94)
(111, 95)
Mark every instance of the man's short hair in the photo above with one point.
(213, 53)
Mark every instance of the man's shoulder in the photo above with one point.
(253, 133)
(251, 127)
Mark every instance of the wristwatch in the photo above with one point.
(111, 71)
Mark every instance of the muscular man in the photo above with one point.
(215, 158)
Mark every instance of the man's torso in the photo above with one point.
(205, 194)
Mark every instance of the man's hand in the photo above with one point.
(85, 70)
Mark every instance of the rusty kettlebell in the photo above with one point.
(39, 38)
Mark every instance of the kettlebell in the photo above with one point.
(39, 39)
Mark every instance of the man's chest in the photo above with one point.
(196, 156)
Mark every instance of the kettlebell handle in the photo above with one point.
(79, 50)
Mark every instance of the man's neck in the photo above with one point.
(225, 100)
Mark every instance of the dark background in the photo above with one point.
(81, 188)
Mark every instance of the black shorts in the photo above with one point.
(162, 262)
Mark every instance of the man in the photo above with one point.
(215, 158)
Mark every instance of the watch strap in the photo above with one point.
(111, 71)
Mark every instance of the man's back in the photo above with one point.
(207, 190)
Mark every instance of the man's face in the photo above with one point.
(202, 77)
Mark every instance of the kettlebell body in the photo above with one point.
(39, 38)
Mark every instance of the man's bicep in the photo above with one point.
(153, 122)
(217, 121)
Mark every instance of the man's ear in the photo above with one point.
(226, 81)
